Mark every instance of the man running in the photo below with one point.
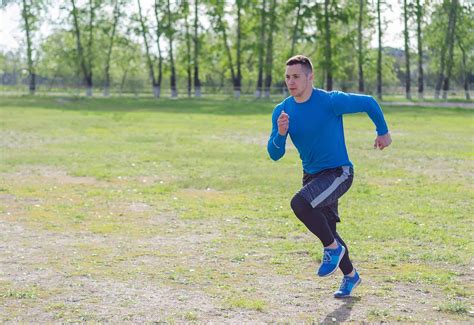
(313, 119)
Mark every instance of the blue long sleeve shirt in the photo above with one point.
(316, 127)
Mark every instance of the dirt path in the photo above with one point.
(175, 277)
(62, 296)
(431, 104)
(76, 298)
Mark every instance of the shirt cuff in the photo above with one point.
(279, 141)
(382, 131)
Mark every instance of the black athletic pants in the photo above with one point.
(316, 205)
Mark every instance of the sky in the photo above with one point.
(12, 36)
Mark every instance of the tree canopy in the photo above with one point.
(238, 46)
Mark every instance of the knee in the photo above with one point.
(299, 204)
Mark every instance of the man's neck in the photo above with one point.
(304, 97)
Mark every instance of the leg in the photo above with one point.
(316, 206)
(312, 204)
(332, 216)
(313, 219)
(349, 282)
(316, 221)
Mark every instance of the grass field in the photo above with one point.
(171, 211)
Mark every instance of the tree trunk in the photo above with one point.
(295, 29)
(452, 35)
(89, 46)
(188, 52)
(269, 56)
(32, 83)
(174, 91)
(227, 49)
(124, 77)
(360, 52)
(197, 82)
(261, 49)
(466, 86)
(80, 51)
(109, 51)
(328, 52)
(157, 87)
(419, 15)
(154, 84)
(466, 74)
(407, 51)
(26, 13)
(238, 80)
(379, 53)
(51, 83)
(442, 64)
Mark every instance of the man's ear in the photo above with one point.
(311, 77)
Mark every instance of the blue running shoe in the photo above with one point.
(331, 260)
(348, 284)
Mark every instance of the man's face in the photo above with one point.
(297, 80)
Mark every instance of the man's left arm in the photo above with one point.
(343, 103)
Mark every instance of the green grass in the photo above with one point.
(185, 190)
(19, 294)
(247, 303)
(455, 307)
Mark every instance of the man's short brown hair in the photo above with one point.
(303, 60)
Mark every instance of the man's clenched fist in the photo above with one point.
(283, 123)
(382, 141)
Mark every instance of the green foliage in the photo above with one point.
(465, 40)
(58, 58)
(11, 63)
(435, 35)
(388, 73)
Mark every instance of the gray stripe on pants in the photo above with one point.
(338, 181)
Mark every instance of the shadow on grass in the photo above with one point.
(214, 106)
(341, 313)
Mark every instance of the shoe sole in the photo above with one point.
(337, 266)
(355, 286)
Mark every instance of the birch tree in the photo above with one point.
(30, 12)
(269, 51)
(157, 8)
(419, 17)
(327, 46)
(452, 35)
(197, 81)
(187, 36)
(407, 49)
(261, 50)
(379, 52)
(143, 30)
(465, 42)
(170, 31)
(85, 43)
(116, 16)
(216, 12)
(360, 51)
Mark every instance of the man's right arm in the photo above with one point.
(276, 142)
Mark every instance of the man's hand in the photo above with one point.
(283, 123)
(382, 141)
